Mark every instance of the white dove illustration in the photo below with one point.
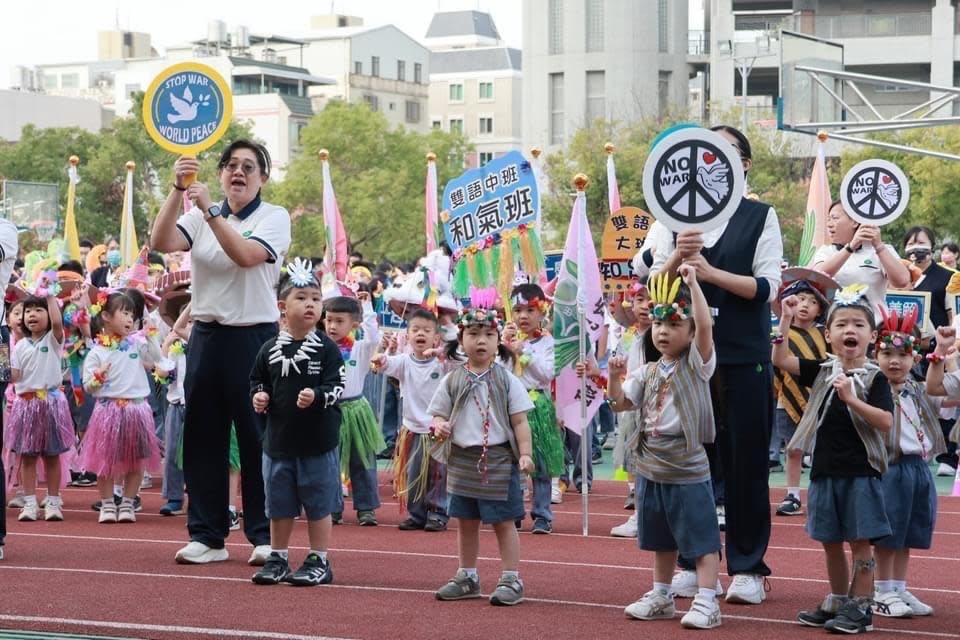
(186, 109)
(889, 193)
(714, 180)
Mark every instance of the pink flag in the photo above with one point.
(335, 255)
(430, 198)
(818, 205)
(613, 192)
(578, 313)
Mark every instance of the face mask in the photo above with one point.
(113, 258)
(919, 254)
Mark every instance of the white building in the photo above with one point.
(589, 59)
(475, 83)
(21, 108)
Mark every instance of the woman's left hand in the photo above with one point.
(200, 194)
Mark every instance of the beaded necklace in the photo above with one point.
(478, 379)
(921, 436)
(658, 383)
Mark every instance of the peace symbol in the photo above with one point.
(875, 192)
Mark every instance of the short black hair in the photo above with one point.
(916, 229)
(260, 151)
(343, 304)
(527, 291)
(71, 265)
(29, 303)
(86, 242)
(871, 319)
(952, 247)
(155, 258)
(746, 151)
(139, 302)
(116, 301)
(423, 314)
(356, 254)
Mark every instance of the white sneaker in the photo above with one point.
(684, 584)
(945, 470)
(259, 556)
(889, 604)
(146, 482)
(652, 606)
(918, 608)
(199, 553)
(16, 502)
(556, 496)
(626, 530)
(1, 553)
(704, 613)
(344, 489)
(28, 513)
(108, 513)
(747, 588)
(53, 512)
(722, 517)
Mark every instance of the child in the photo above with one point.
(849, 410)
(297, 380)
(40, 422)
(360, 436)
(120, 442)
(806, 341)
(421, 481)
(170, 371)
(480, 417)
(674, 492)
(532, 351)
(11, 464)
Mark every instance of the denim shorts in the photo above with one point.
(310, 482)
(677, 517)
(491, 511)
(846, 509)
(910, 498)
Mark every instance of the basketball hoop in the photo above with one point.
(44, 229)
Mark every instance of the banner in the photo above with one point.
(901, 301)
(128, 232)
(818, 206)
(335, 257)
(71, 238)
(623, 235)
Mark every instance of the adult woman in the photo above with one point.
(949, 253)
(918, 244)
(858, 255)
(738, 265)
(236, 248)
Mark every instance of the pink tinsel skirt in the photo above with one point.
(41, 426)
(120, 439)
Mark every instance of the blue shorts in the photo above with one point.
(846, 509)
(910, 498)
(491, 511)
(677, 517)
(311, 482)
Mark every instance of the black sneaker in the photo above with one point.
(631, 502)
(314, 570)
(542, 526)
(816, 618)
(518, 523)
(367, 518)
(790, 506)
(86, 479)
(853, 617)
(116, 500)
(137, 505)
(274, 571)
(336, 517)
(234, 520)
(435, 523)
(410, 525)
(597, 457)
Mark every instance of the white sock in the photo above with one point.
(662, 588)
(794, 491)
(322, 554)
(834, 601)
(283, 553)
(898, 585)
(472, 572)
(881, 586)
(118, 490)
(232, 507)
(30, 500)
(54, 501)
(126, 501)
(709, 594)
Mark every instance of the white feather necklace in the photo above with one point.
(310, 345)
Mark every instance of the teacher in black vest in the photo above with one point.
(738, 265)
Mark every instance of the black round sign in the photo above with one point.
(875, 192)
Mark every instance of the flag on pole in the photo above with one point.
(578, 296)
(128, 233)
(335, 254)
(818, 206)
(613, 192)
(71, 238)
(430, 203)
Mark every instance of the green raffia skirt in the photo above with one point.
(547, 443)
(234, 453)
(359, 432)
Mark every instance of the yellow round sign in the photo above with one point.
(187, 108)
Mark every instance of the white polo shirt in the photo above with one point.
(223, 291)
(862, 267)
(9, 246)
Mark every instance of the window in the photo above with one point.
(130, 89)
(401, 70)
(486, 91)
(596, 96)
(127, 39)
(70, 81)
(375, 66)
(663, 26)
(556, 108)
(485, 157)
(486, 126)
(296, 133)
(594, 25)
(663, 92)
(456, 92)
(371, 101)
(413, 111)
(555, 26)
(358, 67)
(417, 72)
(436, 124)
(456, 125)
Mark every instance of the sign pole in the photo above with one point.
(586, 443)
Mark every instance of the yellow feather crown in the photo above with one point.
(663, 298)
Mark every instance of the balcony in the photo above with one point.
(874, 25)
(698, 42)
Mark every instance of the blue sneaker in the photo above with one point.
(172, 508)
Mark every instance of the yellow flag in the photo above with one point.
(71, 239)
(128, 233)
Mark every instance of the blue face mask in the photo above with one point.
(113, 258)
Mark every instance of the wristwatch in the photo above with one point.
(213, 211)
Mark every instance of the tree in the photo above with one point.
(378, 175)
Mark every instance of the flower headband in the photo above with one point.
(301, 274)
(542, 305)
(851, 295)
(896, 332)
(46, 285)
(481, 317)
(663, 299)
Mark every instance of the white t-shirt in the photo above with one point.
(358, 366)
(538, 373)
(39, 363)
(127, 377)
(419, 380)
(9, 246)
(175, 388)
(862, 267)
(468, 430)
(223, 291)
(668, 423)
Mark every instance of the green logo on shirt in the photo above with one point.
(434, 375)
(247, 234)
(133, 356)
(352, 363)
(44, 349)
(867, 262)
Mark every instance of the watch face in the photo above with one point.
(214, 211)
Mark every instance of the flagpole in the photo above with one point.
(430, 202)
(586, 444)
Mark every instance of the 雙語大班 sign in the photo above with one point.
(187, 108)
(483, 202)
(623, 236)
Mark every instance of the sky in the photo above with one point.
(51, 31)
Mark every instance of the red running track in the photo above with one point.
(120, 580)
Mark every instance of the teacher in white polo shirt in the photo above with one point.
(237, 246)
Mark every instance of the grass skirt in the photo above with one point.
(429, 473)
(120, 439)
(547, 443)
(233, 455)
(359, 432)
(41, 427)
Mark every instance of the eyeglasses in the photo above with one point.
(248, 168)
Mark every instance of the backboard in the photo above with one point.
(802, 98)
(30, 205)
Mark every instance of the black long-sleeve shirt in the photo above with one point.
(293, 432)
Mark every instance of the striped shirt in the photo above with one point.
(808, 344)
